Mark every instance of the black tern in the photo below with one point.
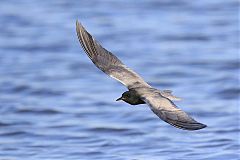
(139, 92)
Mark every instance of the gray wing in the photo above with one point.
(106, 61)
(168, 111)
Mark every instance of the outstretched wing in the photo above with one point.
(165, 109)
(106, 61)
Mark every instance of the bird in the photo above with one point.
(139, 91)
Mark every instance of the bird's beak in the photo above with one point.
(119, 99)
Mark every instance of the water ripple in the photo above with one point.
(55, 104)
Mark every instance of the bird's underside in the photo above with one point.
(160, 102)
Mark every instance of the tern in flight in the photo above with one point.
(139, 92)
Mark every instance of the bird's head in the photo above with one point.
(125, 96)
(131, 97)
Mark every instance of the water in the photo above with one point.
(55, 104)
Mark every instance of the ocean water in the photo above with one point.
(55, 104)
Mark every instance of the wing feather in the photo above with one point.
(166, 110)
(106, 61)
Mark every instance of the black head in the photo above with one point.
(126, 95)
(131, 97)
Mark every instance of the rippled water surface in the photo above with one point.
(55, 104)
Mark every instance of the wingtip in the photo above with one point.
(78, 24)
(196, 126)
(201, 126)
(187, 126)
(80, 28)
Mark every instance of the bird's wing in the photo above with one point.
(106, 61)
(165, 109)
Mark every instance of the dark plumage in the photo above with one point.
(139, 92)
(131, 97)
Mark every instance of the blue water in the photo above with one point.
(55, 104)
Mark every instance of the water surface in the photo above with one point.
(55, 104)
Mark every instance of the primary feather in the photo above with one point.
(106, 61)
